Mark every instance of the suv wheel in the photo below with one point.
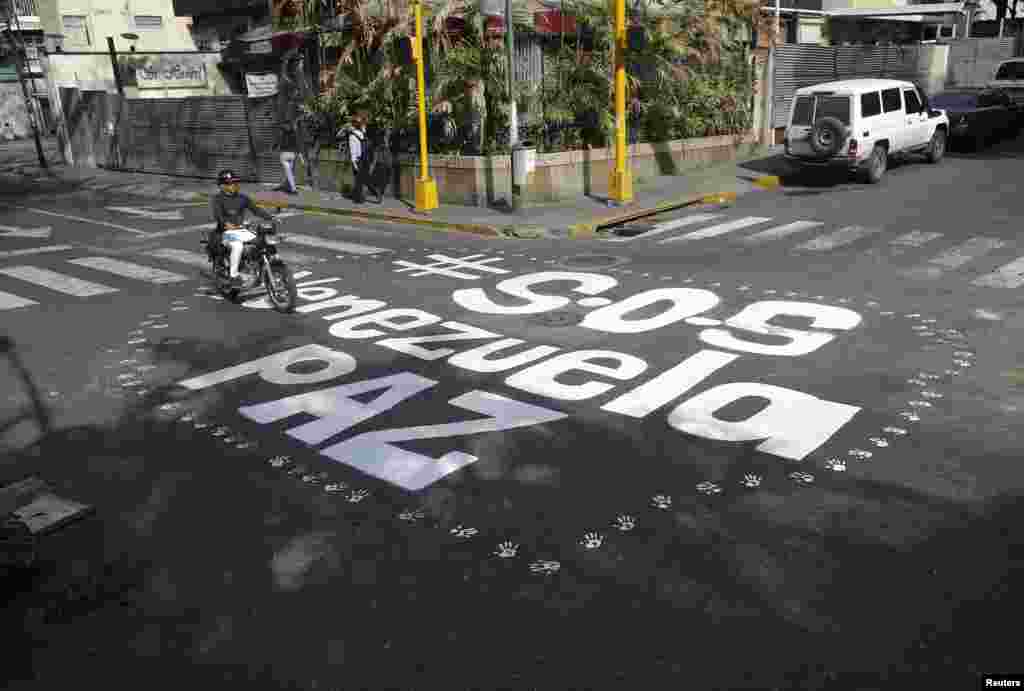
(938, 147)
(877, 164)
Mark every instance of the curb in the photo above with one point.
(474, 228)
(589, 228)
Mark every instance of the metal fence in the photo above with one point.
(199, 136)
(973, 61)
(800, 65)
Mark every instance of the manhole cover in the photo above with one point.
(558, 319)
(593, 261)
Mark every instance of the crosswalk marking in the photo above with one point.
(347, 247)
(719, 229)
(35, 250)
(840, 238)
(58, 282)
(961, 254)
(781, 231)
(915, 239)
(670, 225)
(81, 219)
(181, 256)
(954, 257)
(1007, 276)
(9, 301)
(299, 259)
(129, 270)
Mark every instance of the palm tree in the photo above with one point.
(470, 69)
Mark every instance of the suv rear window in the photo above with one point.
(803, 110)
(807, 109)
(870, 104)
(835, 107)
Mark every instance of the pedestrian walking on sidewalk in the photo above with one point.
(288, 143)
(361, 153)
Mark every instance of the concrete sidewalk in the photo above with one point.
(578, 219)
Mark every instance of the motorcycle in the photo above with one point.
(259, 267)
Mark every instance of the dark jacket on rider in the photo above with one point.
(231, 208)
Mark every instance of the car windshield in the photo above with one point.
(807, 109)
(955, 100)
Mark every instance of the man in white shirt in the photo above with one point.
(361, 153)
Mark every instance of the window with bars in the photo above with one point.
(148, 21)
(76, 29)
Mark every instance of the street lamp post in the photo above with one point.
(621, 183)
(426, 187)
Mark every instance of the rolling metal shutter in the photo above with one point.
(200, 136)
(800, 65)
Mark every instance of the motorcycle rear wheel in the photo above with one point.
(281, 290)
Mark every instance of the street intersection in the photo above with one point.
(762, 444)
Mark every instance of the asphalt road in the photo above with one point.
(712, 461)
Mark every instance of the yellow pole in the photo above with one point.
(621, 183)
(426, 188)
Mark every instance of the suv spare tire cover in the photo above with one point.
(827, 136)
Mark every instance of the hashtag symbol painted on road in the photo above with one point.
(446, 266)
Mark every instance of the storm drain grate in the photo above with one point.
(593, 261)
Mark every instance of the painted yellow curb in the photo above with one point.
(719, 198)
(589, 228)
(768, 182)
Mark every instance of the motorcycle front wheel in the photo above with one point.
(281, 288)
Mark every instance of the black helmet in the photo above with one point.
(227, 177)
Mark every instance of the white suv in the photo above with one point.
(859, 123)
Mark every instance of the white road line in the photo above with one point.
(179, 231)
(955, 257)
(843, 236)
(1007, 276)
(670, 225)
(334, 245)
(961, 254)
(18, 232)
(299, 259)
(35, 250)
(58, 282)
(9, 302)
(915, 239)
(181, 256)
(719, 229)
(84, 220)
(781, 231)
(129, 270)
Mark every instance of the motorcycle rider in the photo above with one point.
(229, 207)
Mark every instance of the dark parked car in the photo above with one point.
(979, 116)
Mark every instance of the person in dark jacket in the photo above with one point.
(362, 155)
(229, 207)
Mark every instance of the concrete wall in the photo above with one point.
(87, 114)
(12, 110)
(116, 17)
(93, 72)
(565, 176)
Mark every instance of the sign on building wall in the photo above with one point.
(261, 85)
(165, 72)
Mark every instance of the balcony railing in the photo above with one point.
(24, 8)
